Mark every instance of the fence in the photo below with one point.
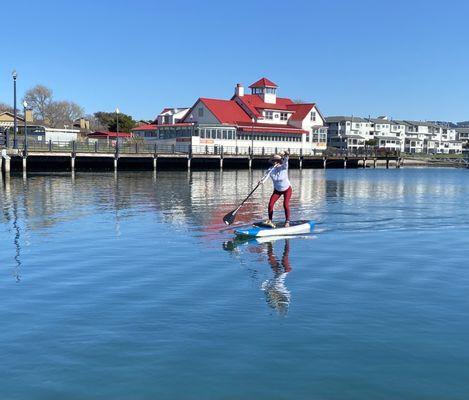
(138, 147)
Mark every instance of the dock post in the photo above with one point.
(301, 162)
(189, 162)
(72, 163)
(364, 162)
(374, 162)
(7, 165)
(155, 163)
(345, 162)
(24, 163)
(221, 157)
(387, 163)
(1, 164)
(115, 164)
(324, 162)
(250, 162)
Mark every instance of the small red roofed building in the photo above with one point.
(260, 120)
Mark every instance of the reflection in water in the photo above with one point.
(196, 201)
(276, 292)
(10, 213)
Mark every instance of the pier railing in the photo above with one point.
(140, 147)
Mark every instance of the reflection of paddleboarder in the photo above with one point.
(277, 294)
(282, 187)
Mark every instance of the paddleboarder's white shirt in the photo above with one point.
(279, 175)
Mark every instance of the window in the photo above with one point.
(269, 115)
(283, 116)
(218, 133)
(313, 115)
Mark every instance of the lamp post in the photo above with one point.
(15, 121)
(252, 137)
(117, 127)
(25, 105)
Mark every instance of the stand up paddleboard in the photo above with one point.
(260, 230)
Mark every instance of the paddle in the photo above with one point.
(229, 218)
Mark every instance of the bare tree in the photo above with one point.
(60, 113)
(5, 107)
(39, 99)
(95, 123)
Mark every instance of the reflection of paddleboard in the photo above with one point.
(260, 230)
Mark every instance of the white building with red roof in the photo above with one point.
(260, 120)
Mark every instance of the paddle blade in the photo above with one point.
(229, 218)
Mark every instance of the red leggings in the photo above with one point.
(286, 202)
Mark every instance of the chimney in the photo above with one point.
(28, 115)
(239, 90)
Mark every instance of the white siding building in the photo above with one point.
(260, 120)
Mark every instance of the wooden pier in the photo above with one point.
(88, 156)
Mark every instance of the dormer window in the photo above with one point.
(269, 115)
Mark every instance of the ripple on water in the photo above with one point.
(136, 282)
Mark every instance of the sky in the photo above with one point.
(404, 59)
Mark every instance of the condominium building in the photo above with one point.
(348, 132)
(355, 133)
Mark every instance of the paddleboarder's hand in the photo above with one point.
(286, 153)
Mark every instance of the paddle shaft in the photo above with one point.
(253, 190)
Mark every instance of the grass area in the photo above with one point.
(433, 156)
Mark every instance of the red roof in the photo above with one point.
(254, 102)
(301, 110)
(145, 127)
(263, 82)
(107, 134)
(176, 124)
(226, 111)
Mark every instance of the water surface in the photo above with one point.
(130, 287)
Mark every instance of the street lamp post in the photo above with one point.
(25, 105)
(117, 127)
(15, 120)
(252, 137)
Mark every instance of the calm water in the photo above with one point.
(130, 288)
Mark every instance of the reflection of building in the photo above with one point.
(260, 119)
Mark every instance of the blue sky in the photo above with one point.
(405, 59)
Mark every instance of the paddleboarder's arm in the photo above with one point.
(285, 160)
(267, 174)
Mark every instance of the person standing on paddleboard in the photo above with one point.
(282, 187)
